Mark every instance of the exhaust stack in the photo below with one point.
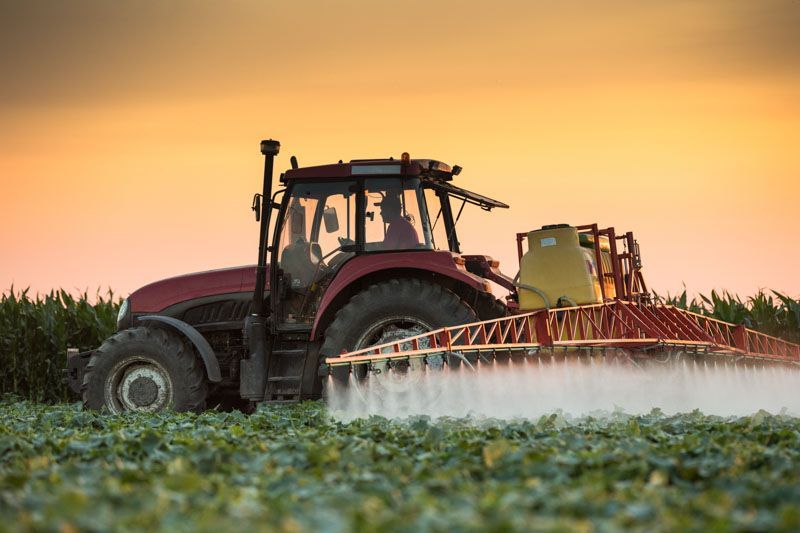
(270, 149)
(253, 373)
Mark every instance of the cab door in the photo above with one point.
(317, 222)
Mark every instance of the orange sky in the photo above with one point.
(129, 131)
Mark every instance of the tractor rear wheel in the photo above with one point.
(146, 370)
(389, 311)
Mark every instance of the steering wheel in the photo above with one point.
(322, 268)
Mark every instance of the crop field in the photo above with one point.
(297, 468)
(310, 467)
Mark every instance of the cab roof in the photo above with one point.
(433, 172)
(426, 168)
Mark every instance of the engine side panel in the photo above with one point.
(211, 313)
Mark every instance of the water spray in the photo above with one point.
(592, 386)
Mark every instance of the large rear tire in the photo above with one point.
(389, 311)
(146, 370)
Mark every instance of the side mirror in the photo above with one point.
(257, 206)
(331, 219)
(297, 223)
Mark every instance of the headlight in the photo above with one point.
(123, 312)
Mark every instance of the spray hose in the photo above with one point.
(567, 299)
(531, 288)
(542, 295)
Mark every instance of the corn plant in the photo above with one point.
(35, 333)
(774, 314)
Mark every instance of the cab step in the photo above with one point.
(284, 379)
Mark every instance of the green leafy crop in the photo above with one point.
(295, 468)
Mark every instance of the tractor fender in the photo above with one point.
(203, 347)
(440, 263)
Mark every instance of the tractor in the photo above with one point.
(360, 274)
(350, 255)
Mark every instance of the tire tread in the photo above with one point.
(191, 370)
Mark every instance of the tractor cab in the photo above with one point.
(330, 214)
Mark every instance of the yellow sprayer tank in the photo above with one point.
(557, 270)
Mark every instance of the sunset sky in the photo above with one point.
(129, 130)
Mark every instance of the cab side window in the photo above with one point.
(433, 206)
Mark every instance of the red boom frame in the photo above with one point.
(616, 324)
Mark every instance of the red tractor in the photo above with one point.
(359, 254)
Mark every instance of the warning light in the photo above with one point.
(405, 158)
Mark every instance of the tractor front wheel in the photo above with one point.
(146, 370)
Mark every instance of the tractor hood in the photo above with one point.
(157, 296)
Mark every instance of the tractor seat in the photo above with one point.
(301, 260)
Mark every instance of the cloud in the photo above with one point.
(757, 37)
(90, 52)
